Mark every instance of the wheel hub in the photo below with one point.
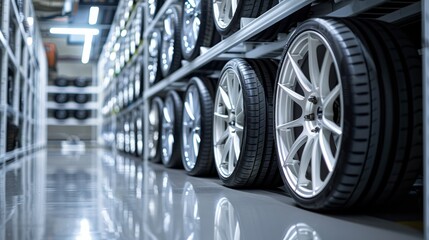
(313, 113)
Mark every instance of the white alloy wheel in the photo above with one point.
(309, 114)
(228, 122)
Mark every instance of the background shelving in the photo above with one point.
(23, 77)
(70, 105)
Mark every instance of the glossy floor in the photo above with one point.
(99, 195)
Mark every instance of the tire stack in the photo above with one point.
(80, 113)
(337, 120)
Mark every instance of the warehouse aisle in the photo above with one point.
(97, 195)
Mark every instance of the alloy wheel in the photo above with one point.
(228, 123)
(309, 114)
(191, 134)
(224, 11)
(168, 119)
(154, 134)
(191, 24)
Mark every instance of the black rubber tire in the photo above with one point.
(206, 33)
(81, 82)
(81, 98)
(361, 117)
(399, 72)
(256, 147)
(61, 82)
(204, 164)
(269, 172)
(159, 104)
(155, 71)
(175, 159)
(175, 11)
(81, 114)
(61, 114)
(61, 98)
(245, 9)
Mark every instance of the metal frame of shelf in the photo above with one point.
(29, 64)
(230, 47)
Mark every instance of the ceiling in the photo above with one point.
(74, 14)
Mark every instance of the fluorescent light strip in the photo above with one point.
(86, 53)
(93, 15)
(76, 31)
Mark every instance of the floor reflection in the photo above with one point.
(101, 195)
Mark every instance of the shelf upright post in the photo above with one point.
(146, 85)
(3, 77)
(24, 95)
(17, 78)
(425, 39)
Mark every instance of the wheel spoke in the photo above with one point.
(292, 124)
(329, 100)
(316, 157)
(225, 151)
(324, 74)
(301, 140)
(166, 115)
(302, 79)
(238, 127)
(326, 150)
(190, 144)
(305, 163)
(237, 145)
(221, 116)
(231, 156)
(223, 137)
(331, 126)
(240, 117)
(189, 111)
(233, 6)
(313, 61)
(222, 10)
(232, 93)
(296, 97)
(225, 98)
(196, 143)
(239, 101)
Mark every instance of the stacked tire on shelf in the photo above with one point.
(338, 119)
(63, 98)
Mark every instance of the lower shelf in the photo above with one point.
(73, 122)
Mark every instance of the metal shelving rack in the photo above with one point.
(23, 65)
(241, 48)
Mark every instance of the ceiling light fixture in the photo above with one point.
(93, 15)
(86, 53)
